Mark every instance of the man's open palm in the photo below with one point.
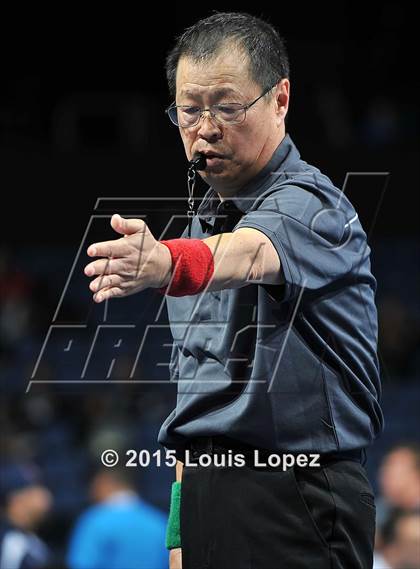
(129, 264)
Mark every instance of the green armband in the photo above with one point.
(173, 529)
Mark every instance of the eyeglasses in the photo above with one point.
(186, 116)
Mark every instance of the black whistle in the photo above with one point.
(199, 161)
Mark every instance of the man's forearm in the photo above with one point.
(235, 261)
(224, 261)
(243, 257)
(178, 471)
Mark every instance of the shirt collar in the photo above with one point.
(285, 154)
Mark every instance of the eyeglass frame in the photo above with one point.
(242, 108)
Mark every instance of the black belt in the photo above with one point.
(222, 445)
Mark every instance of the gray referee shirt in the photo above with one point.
(290, 367)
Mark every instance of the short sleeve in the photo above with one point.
(317, 243)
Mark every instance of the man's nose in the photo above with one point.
(208, 127)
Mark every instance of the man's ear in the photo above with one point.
(282, 97)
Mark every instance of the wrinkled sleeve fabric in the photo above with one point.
(174, 362)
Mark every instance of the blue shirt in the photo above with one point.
(119, 534)
(293, 366)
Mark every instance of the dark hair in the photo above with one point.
(389, 528)
(413, 448)
(268, 61)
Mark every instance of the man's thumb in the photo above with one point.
(126, 226)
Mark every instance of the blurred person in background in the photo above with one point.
(25, 502)
(400, 541)
(399, 491)
(399, 480)
(121, 531)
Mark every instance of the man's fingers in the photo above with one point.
(105, 281)
(117, 248)
(107, 293)
(127, 226)
(104, 267)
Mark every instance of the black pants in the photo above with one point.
(249, 517)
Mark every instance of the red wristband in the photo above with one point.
(192, 267)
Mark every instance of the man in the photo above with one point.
(25, 502)
(401, 541)
(120, 530)
(399, 486)
(399, 478)
(271, 305)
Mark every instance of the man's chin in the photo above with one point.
(216, 173)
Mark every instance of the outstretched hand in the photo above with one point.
(129, 264)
